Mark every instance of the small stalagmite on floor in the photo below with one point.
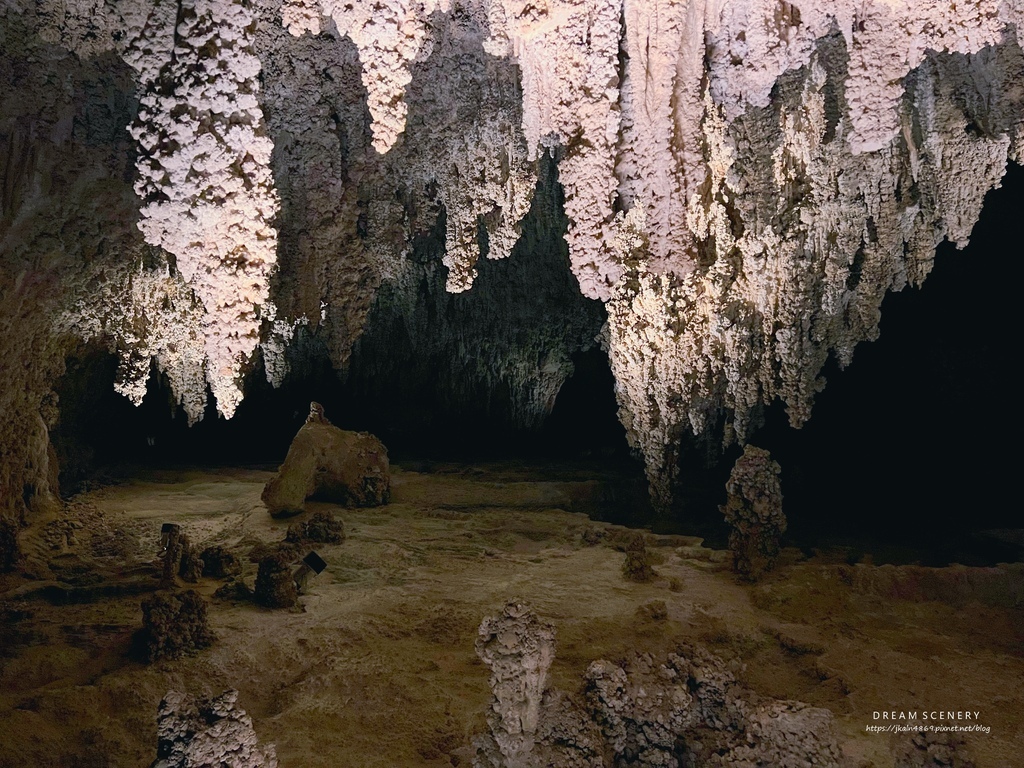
(754, 510)
(174, 624)
(328, 463)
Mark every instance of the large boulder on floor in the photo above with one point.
(330, 464)
(208, 732)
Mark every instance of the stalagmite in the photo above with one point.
(208, 731)
(518, 647)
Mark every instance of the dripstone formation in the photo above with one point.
(740, 184)
(753, 508)
(212, 731)
(683, 710)
(174, 624)
(518, 648)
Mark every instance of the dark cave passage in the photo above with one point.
(437, 376)
(904, 458)
(909, 454)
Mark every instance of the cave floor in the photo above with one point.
(376, 666)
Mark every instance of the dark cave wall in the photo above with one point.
(67, 216)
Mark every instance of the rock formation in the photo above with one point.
(220, 563)
(518, 648)
(684, 710)
(925, 749)
(203, 188)
(174, 624)
(637, 565)
(689, 710)
(330, 464)
(207, 732)
(322, 528)
(275, 585)
(753, 508)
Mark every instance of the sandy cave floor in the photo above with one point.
(376, 666)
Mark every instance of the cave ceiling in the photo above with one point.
(195, 183)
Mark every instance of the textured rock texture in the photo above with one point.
(753, 508)
(330, 464)
(174, 624)
(211, 731)
(275, 586)
(637, 565)
(929, 750)
(220, 563)
(204, 187)
(685, 710)
(322, 528)
(518, 648)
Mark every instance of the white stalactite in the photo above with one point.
(204, 173)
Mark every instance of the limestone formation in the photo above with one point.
(685, 709)
(191, 568)
(330, 464)
(220, 563)
(204, 177)
(753, 508)
(275, 586)
(518, 648)
(174, 624)
(321, 528)
(637, 565)
(743, 184)
(211, 731)
(787, 733)
(174, 547)
(927, 749)
(689, 710)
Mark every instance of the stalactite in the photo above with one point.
(743, 182)
(205, 181)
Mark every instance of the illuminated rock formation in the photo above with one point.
(208, 731)
(518, 648)
(204, 177)
(743, 184)
(331, 464)
(753, 509)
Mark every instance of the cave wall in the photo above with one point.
(198, 185)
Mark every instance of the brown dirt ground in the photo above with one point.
(376, 665)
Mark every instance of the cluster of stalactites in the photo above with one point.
(204, 174)
(804, 235)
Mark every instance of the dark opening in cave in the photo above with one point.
(909, 453)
